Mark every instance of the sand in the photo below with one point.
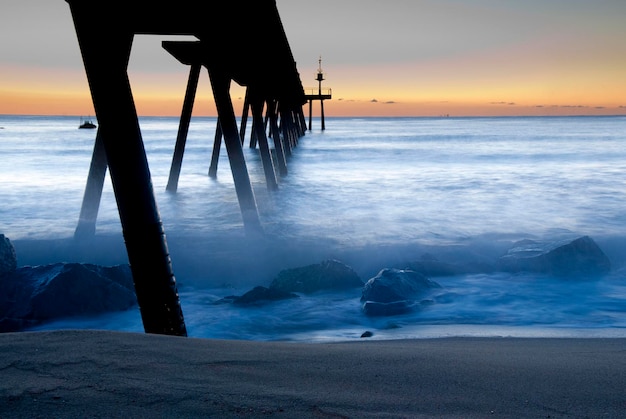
(100, 374)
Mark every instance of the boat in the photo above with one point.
(87, 123)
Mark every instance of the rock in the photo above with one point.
(31, 295)
(259, 295)
(430, 266)
(395, 291)
(8, 259)
(394, 308)
(330, 275)
(391, 285)
(579, 257)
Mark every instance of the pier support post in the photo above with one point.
(258, 132)
(183, 127)
(244, 121)
(220, 83)
(93, 190)
(276, 136)
(217, 145)
(288, 129)
(302, 122)
(106, 60)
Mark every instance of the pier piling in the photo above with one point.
(183, 127)
(220, 83)
(260, 137)
(93, 191)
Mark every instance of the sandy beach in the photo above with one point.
(101, 374)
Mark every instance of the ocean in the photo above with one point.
(372, 193)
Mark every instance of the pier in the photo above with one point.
(320, 94)
(238, 52)
(256, 100)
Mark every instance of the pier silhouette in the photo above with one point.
(320, 94)
(238, 51)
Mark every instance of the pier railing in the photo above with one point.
(314, 91)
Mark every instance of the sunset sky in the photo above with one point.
(381, 58)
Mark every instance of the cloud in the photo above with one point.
(389, 102)
(562, 106)
(503, 103)
(599, 107)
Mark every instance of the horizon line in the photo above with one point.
(344, 116)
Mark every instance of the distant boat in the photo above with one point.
(87, 123)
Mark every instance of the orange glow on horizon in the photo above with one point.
(58, 104)
(162, 95)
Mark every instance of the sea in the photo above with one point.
(372, 193)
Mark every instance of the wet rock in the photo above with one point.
(578, 257)
(31, 295)
(8, 259)
(394, 308)
(431, 266)
(330, 275)
(395, 291)
(259, 295)
(428, 265)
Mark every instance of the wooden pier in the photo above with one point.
(237, 52)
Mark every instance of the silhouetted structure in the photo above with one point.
(192, 54)
(237, 51)
(321, 95)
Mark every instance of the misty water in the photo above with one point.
(371, 192)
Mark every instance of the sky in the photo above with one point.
(380, 58)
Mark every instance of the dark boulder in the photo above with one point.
(330, 275)
(431, 266)
(579, 257)
(395, 291)
(394, 308)
(31, 295)
(257, 296)
(8, 259)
